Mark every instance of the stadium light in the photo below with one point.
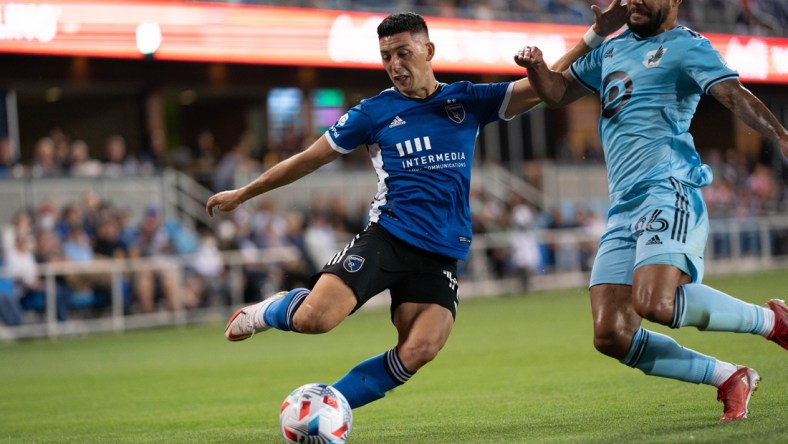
(148, 38)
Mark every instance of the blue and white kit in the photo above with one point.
(422, 151)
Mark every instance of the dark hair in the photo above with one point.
(402, 22)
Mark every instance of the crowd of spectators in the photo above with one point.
(61, 155)
(529, 242)
(750, 17)
(524, 241)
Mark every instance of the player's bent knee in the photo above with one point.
(651, 305)
(611, 344)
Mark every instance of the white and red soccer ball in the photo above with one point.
(315, 414)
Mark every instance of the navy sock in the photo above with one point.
(279, 314)
(371, 379)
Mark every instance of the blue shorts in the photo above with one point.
(664, 223)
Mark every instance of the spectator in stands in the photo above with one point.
(237, 160)
(93, 209)
(9, 167)
(152, 241)
(44, 163)
(10, 309)
(764, 188)
(116, 161)
(320, 242)
(205, 271)
(70, 217)
(46, 215)
(200, 161)
(153, 154)
(298, 271)
(80, 164)
(19, 274)
(22, 268)
(108, 244)
(62, 143)
(77, 249)
(525, 258)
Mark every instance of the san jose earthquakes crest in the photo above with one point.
(455, 111)
(353, 263)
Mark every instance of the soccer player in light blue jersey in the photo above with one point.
(420, 135)
(650, 260)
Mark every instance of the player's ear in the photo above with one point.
(430, 50)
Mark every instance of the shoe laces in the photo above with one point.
(249, 321)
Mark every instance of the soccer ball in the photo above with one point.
(315, 414)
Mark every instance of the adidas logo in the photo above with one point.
(396, 122)
(654, 241)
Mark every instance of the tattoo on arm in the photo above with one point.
(744, 105)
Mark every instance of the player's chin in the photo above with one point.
(638, 19)
(401, 82)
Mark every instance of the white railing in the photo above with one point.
(117, 269)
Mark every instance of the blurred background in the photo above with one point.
(119, 119)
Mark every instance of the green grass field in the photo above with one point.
(517, 369)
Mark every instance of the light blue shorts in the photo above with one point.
(665, 223)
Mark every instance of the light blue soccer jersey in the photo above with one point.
(422, 150)
(649, 89)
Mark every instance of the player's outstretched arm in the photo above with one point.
(606, 22)
(283, 173)
(553, 87)
(744, 105)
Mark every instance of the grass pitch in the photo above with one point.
(517, 369)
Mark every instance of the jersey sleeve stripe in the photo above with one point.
(505, 103)
(718, 80)
(334, 144)
(580, 81)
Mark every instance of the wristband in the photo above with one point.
(592, 39)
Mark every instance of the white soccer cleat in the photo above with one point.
(247, 321)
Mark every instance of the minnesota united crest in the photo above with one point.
(455, 111)
(654, 57)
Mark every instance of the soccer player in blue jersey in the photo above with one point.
(650, 260)
(420, 135)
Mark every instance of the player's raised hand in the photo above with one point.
(225, 201)
(529, 58)
(611, 19)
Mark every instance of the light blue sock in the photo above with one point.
(708, 309)
(659, 355)
(279, 314)
(371, 379)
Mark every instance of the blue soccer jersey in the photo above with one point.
(649, 89)
(422, 150)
